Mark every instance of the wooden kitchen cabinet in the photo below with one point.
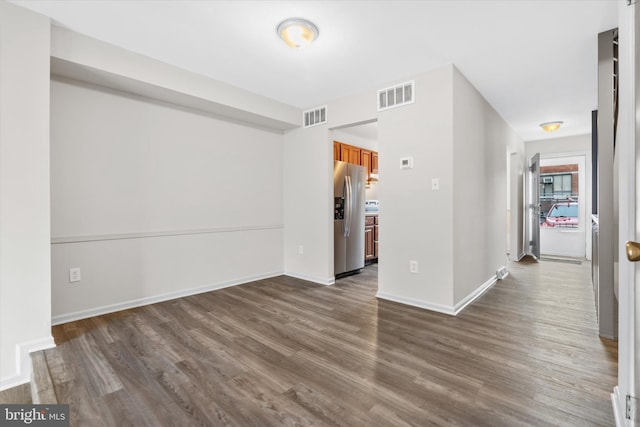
(350, 154)
(365, 160)
(375, 238)
(336, 150)
(374, 162)
(357, 156)
(369, 238)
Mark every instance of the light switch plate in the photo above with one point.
(435, 184)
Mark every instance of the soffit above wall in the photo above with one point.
(85, 74)
(78, 57)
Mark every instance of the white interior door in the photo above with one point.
(634, 316)
(627, 392)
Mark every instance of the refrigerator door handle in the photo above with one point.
(345, 210)
(348, 207)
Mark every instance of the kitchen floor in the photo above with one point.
(368, 277)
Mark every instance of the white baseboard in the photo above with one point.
(618, 407)
(319, 280)
(517, 258)
(452, 311)
(23, 361)
(417, 303)
(469, 299)
(125, 305)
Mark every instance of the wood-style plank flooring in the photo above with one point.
(284, 352)
(20, 395)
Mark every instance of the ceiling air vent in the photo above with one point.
(315, 117)
(396, 96)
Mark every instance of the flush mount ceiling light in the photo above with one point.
(297, 32)
(550, 126)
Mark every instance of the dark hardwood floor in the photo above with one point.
(286, 352)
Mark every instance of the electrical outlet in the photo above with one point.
(74, 275)
(413, 266)
(300, 250)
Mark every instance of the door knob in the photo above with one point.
(633, 251)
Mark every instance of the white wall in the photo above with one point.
(481, 140)
(152, 201)
(416, 223)
(25, 293)
(353, 110)
(308, 215)
(561, 146)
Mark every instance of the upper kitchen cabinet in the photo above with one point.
(357, 156)
(365, 160)
(374, 162)
(336, 150)
(350, 154)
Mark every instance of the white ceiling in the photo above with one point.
(533, 60)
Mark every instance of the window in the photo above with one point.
(562, 185)
(556, 186)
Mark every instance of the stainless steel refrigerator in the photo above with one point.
(348, 219)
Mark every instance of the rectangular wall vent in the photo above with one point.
(396, 96)
(314, 117)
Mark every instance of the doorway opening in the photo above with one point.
(559, 202)
(563, 220)
(358, 144)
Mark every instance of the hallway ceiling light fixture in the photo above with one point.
(297, 32)
(550, 126)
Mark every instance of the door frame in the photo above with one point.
(628, 174)
(515, 206)
(585, 195)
